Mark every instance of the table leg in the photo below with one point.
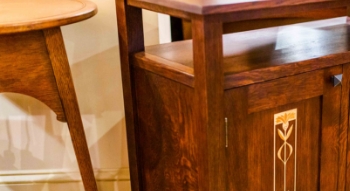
(60, 65)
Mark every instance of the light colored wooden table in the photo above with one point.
(33, 62)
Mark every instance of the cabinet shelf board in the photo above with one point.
(258, 55)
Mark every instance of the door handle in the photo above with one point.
(337, 79)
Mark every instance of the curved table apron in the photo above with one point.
(34, 61)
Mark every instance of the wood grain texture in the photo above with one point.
(65, 86)
(167, 136)
(331, 145)
(180, 93)
(320, 138)
(260, 55)
(205, 7)
(171, 70)
(28, 70)
(21, 15)
(344, 127)
(315, 11)
(347, 175)
(304, 86)
(208, 101)
(131, 40)
(286, 18)
(250, 157)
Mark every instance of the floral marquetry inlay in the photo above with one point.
(285, 131)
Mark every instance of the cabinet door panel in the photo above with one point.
(286, 90)
(291, 143)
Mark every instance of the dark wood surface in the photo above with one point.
(320, 138)
(168, 132)
(208, 102)
(343, 129)
(331, 144)
(264, 96)
(217, 6)
(130, 42)
(256, 56)
(201, 114)
(182, 28)
(167, 137)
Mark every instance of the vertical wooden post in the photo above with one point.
(344, 179)
(331, 127)
(209, 91)
(131, 40)
(344, 124)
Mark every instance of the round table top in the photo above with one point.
(25, 15)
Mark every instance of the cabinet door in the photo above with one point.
(286, 134)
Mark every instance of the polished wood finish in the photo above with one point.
(208, 101)
(204, 7)
(277, 55)
(232, 10)
(29, 75)
(202, 112)
(319, 140)
(34, 63)
(343, 129)
(131, 41)
(275, 20)
(21, 15)
(264, 96)
(64, 83)
(167, 136)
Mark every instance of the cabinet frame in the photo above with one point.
(207, 77)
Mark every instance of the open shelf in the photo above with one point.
(258, 55)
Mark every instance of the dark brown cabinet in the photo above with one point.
(259, 110)
(287, 134)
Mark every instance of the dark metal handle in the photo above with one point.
(336, 79)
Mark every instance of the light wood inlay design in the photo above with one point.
(284, 128)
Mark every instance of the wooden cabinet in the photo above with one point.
(287, 134)
(247, 111)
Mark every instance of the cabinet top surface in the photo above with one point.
(219, 6)
(24, 15)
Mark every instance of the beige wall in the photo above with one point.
(35, 150)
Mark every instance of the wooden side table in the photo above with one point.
(33, 62)
(255, 110)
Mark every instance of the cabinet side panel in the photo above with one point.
(166, 135)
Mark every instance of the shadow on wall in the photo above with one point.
(99, 89)
(23, 127)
